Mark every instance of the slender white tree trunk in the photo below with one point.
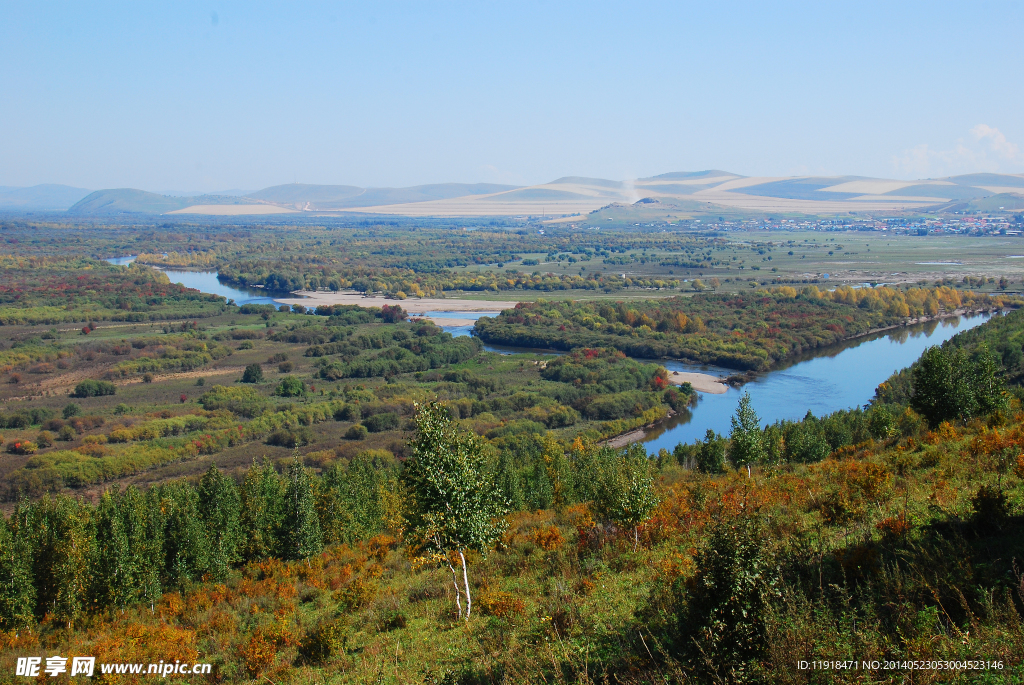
(458, 591)
(465, 581)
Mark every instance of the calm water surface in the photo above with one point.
(841, 377)
(206, 281)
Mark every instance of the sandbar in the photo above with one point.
(413, 305)
(702, 382)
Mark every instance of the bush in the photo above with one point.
(200, 382)
(45, 439)
(723, 608)
(242, 401)
(378, 423)
(289, 438)
(323, 642)
(285, 367)
(290, 387)
(356, 432)
(122, 409)
(253, 374)
(22, 447)
(66, 434)
(147, 378)
(91, 388)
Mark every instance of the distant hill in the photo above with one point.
(48, 196)
(341, 197)
(685, 192)
(132, 201)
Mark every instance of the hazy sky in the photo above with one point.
(217, 95)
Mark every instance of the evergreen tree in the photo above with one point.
(17, 594)
(454, 505)
(301, 536)
(746, 439)
(219, 511)
(262, 502)
(186, 548)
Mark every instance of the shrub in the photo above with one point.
(285, 367)
(122, 409)
(356, 432)
(379, 423)
(147, 378)
(500, 604)
(70, 410)
(200, 382)
(723, 608)
(242, 401)
(323, 642)
(253, 374)
(245, 345)
(289, 438)
(91, 388)
(290, 387)
(22, 447)
(66, 434)
(45, 439)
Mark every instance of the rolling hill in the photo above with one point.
(709, 191)
(45, 197)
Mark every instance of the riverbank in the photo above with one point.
(413, 305)
(702, 382)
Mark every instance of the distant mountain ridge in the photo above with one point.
(566, 196)
(47, 196)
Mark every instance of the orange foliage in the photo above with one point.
(500, 604)
(894, 526)
(548, 538)
(139, 643)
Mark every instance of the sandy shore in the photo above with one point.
(445, 321)
(413, 305)
(700, 381)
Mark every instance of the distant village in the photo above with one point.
(975, 225)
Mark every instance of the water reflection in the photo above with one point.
(823, 381)
(207, 282)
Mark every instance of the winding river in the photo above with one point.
(839, 377)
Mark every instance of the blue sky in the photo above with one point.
(218, 95)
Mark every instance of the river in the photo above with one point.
(840, 377)
(206, 281)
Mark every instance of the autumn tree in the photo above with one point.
(454, 506)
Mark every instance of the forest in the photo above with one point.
(742, 331)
